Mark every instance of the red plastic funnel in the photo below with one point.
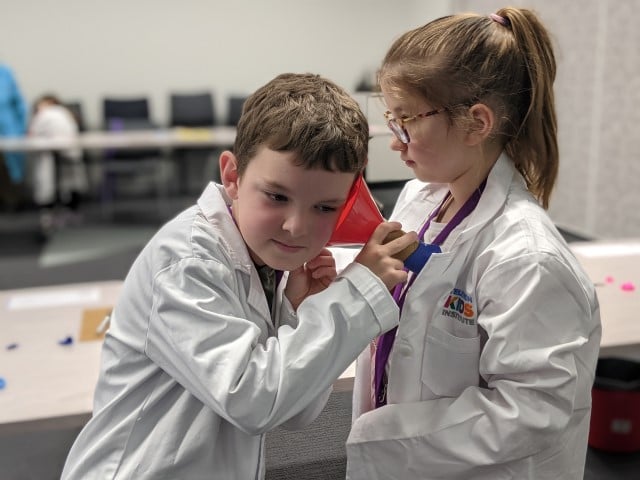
(359, 217)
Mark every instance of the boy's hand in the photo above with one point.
(377, 256)
(312, 277)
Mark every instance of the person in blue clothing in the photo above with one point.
(13, 121)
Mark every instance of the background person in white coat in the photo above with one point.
(56, 183)
(490, 370)
(199, 360)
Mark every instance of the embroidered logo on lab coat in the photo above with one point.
(459, 305)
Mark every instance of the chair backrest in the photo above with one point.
(235, 109)
(192, 110)
(136, 109)
(76, 110)
(128, 114)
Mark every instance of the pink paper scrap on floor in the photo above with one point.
(628, 287)
(609, 279)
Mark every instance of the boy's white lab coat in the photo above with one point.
(492, 367)
(192, 373)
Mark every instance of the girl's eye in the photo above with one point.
(276, 197)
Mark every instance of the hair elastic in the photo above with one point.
(498, 19)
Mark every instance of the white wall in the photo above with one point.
(85, 49)
(597, 89)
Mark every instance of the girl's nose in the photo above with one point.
(396, 145)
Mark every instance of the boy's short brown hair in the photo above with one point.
(306, 114)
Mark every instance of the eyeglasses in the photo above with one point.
(396, 125)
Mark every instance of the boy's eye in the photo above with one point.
(276, 197)
(326, 208)
(279, 198)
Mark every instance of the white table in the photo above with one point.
(138, 139)
(48, 383)
(164, 140)
(133, 139)
(611, 265)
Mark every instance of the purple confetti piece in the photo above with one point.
(12, 346)
(66, 341)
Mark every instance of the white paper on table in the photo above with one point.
(593, 250)
(54, 298)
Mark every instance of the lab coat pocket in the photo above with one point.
(450, 363)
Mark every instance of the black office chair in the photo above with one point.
(121, 166)
(196, 165)
(235, 105)
(192, 110)
(75, 107)
(128, 114)
(119, 108)
(76, 110)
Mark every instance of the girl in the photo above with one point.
(488, 375)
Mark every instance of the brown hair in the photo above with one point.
(506, 63)
(45, 99)
(307, 114)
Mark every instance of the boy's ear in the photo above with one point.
(483, 121)
(229, 173)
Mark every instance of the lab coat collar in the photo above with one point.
(428, 196)
(214, 204)
(499, 181)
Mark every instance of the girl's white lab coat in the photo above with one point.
(494, 359)
(192, 373)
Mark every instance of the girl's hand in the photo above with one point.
(377, 256)
(312, 277)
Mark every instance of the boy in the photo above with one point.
(195, 366)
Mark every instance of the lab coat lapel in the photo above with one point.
(499, 181)
(214, 204)
(441, 274)
(438, 275)
(258, 301)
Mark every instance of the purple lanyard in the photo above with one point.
(385, 341)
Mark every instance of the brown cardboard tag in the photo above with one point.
(91, 320)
